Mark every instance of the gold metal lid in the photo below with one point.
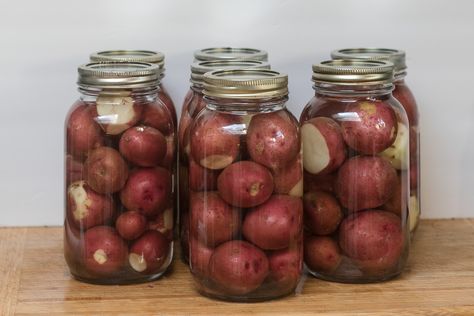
(397, 57)
(198, 69)
(230, 53)
(141, 56)
(353, 72)
(245, 84)
(118, 75)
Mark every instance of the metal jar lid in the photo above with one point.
(353, 72)
(141, 56)
(118, 75)
(245, 84)
(397, 57)
(230, 53)
(198, 69)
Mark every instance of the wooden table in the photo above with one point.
(439, 280)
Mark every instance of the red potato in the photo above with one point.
(74, 170)
(324, 147)
(212, 221)
(273, 139)
(200, 256)
(369, 127)
(274, 224)
(238, 267)
(143, 146)
(322, 212)
(86, 208)
(158, 117)
(105, 170)
(397, 153)
(131, 225)
(184, 124)
(163, 223)
(373, 238)
(170, 158)
(215, 142)
(149, 252)
(397, 202)
(285, 266)
(115, 114)
(365, 182)
(83, 134)
(202, 179)
(245, 184)
(165, 98)
(289, 179)
(148, 191)
(105, 252)
(404, 95)
(325, 182)
(321, 254)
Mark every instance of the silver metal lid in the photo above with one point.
(198, 69)
(141, 56)
(353, 72)
(118, 75)
(245, 84)
(397, 57)
(230, 53)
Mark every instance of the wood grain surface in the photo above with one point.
(439, 280)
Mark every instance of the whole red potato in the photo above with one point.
(143, 146)
(321, 254)
(105, 170)
(158, 117)
(286, 266)
(245, 184)
(322, 212)
(149, 252)
(148, 191)
(238, 267)
(131, 225)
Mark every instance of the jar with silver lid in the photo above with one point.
(355, 158)
(119, 152)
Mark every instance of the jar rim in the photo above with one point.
(396, 56)
(230, 53)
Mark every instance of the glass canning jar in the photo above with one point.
(189, 112)
(142, 56)
(356, 181)
(404, 95)
(119, 164)
(245, 180)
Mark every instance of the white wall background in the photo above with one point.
(42, 42)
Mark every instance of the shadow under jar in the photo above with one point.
(119, 204)
(404, 95)
(356, 184)
(190, 110)
(245, 175)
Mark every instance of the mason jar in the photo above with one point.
(356, 177)
(189, 112)
(404, 95)
(143, 56)
(119, 174)
(245, 182)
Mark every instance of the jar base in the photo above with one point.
(242, 299)
(111, 281)
(356, 279)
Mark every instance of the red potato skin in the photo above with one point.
(83, 134)
(287, 180)
(143, 146)
(273, 139)
(200, 256)
(404, 95)
(105, 170)
(395, 204)
(131, 225)
(325, 182)
(372, 129)
(213, 146)
(148, 191)
(184, 124)
(322, 212)
(98, 208)
(202, 179)
(104, 240)
(332, 133)
(372, 237)
(275, 224)
(165, 98)
(321, 254)
(169, 161)
(245, 184)
(158, 117)
(286, 266)
(161, 224)
(74, 170)
(153, 248)
(212, 221)
(365, 182)
(238, 267)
